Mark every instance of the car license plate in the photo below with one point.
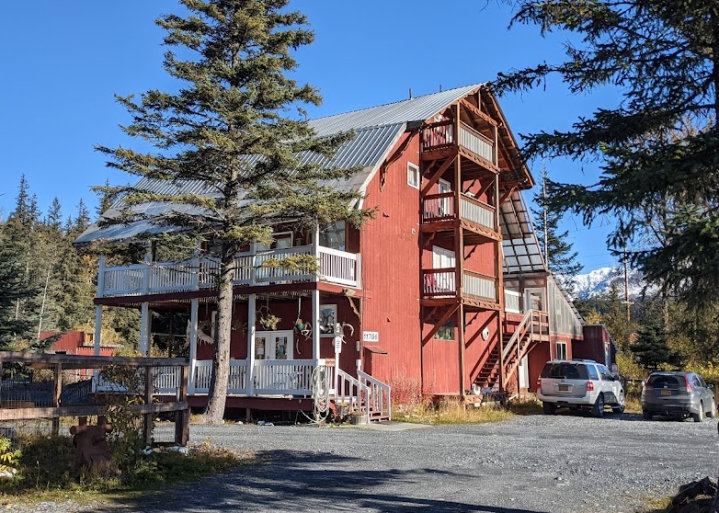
(666, 392)
(564, 388)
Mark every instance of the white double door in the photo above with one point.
(274, 345)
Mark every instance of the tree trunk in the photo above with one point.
(217, 395)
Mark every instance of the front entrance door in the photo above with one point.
(274, 345)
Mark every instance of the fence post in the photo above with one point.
(56, 395)
(182, 417)
(147, 424)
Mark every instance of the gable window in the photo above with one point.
(413, 175)
(446, 332)
(333, 235)
(561, 350)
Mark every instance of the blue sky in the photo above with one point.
(64, 61)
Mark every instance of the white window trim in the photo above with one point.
(556, 348)
(413, 171)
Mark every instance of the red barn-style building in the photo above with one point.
(445, 292)
(75, 343)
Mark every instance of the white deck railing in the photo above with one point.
(480, 286)
(512, 301)
(237, 383)
(270, 377)
(477, 212)
(476, 142)
(335, 266)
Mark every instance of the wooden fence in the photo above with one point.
(34, 406)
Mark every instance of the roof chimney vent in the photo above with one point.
(410, 93)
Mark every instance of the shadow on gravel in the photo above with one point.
(631, 417)
(310, 481)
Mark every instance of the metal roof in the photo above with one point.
(367, 150)
(522, 254)
(414, 109)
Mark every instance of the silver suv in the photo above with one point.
(677, 394)
(579, 384)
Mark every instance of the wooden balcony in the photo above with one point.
(337, 267)
(440, 139)
(439, 287)
(439, 213)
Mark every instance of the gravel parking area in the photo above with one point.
(533, 464)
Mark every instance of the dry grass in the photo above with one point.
(453, 411)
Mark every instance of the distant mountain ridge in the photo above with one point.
(599, 281)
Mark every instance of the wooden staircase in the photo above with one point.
(533, 328)
(363, 395)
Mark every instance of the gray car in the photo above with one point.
(677, 394)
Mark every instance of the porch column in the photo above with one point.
(98, 308)
(316, 300)
(145, 308)
(251, 340)
(316, 327)
(145, 329)
(192, 335)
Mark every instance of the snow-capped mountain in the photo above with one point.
(600, 280)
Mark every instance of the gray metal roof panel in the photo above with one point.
(415, 109)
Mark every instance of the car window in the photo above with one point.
(606, 375)
(697, 382)
(664, 381)
(701, 380)
(592, 371)
(564, 371)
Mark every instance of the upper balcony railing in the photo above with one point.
(440, 207)
(335, 266)
(437, 136)
(441, 283)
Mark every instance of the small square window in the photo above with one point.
(412, 175)
(446, 332)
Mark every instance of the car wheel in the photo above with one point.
(698, 417)
(549, 408)
(598, 410)
(647, 415)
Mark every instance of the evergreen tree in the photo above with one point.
(664, 56)
(652, 350)
(557, 251)
(229, 130)
(15, 295)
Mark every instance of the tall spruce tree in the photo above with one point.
(230, 128)
(560, 258)
(664, 55)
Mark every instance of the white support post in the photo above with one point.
(145, 308)
(316, 251)
(145, 329)
(251, 341)
(196, 269)
(316, 327)
(253, 263)
(98, 330)
(194, 314)
(98, 308)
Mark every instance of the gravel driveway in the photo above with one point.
(532, 464)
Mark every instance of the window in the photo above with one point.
(606, 375)
(561, 350)
(413, 175)
(333, 235)
(592, 371)
(446, 332)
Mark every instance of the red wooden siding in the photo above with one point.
(391, 272)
